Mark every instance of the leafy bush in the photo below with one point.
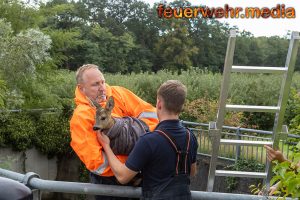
(242, 165)
(293, 114)
(18, 130)
(52, 134)
(48, 132)
(205, 110)
(288, 173)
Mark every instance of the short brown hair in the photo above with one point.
(173, 94)
(82, 69)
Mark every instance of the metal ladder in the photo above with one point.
(215, 128)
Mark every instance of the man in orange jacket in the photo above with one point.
(91, 86)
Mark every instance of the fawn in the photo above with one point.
(122, 132)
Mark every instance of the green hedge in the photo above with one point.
(49, 132)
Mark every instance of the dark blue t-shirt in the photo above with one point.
(154, 156)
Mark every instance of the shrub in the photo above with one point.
(242, 165)
(205, 110)
(19, 131)
(52, 135)
(288, 175)
(293, 112)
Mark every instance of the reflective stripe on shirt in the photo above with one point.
(148, 115)
(102, 167)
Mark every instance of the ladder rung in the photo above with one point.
(241, 174)
(248, 108)
(245, 142)
(254, 69)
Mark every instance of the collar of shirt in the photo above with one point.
(169, 122)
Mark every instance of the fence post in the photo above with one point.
(37, 195)
(238, 147)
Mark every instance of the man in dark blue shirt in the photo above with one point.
(167, 156)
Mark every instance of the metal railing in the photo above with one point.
(235, 151)
(31, 180)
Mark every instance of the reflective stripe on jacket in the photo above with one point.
(84, 140)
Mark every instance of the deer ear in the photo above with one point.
(110, 103)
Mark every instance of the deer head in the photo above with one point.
(103, 119)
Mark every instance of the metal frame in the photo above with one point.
(113, 190)
(216, 129)
(284, 95)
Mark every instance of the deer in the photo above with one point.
(122, 132)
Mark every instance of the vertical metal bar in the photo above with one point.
(200, 139)
(262, 153)
(256, 157)
(36, 194)
(247, 151)
(284, 94)
(215, 135)
(252, 147)
(222, 103)
(238, 147)
(204, 142)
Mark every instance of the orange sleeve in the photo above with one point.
(136, 107)
(84, 142)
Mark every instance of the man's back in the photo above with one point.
(156, 158)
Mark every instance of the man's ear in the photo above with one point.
(110, 104)
(81, 88)
(158, 103)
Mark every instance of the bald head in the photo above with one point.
(81, 75)
(91, 82)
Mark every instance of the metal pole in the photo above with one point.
(283, 98)
(238, 147)
(113, 190)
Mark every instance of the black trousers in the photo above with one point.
(107, 181)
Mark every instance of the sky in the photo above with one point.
(258, 27)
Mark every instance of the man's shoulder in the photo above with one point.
(83, 108)
(150, 136)
(120, 90)
(83, 111)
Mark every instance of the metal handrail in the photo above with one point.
(112, 190)
(237, 128)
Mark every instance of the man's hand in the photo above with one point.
(103, 139)
(274, 154)
(271, 191)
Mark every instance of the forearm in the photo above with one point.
(113, 161)
(118, 168)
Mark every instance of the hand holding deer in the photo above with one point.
(103, 139)
(122, 132)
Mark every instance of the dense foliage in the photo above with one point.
(42, 44)
(288, 174)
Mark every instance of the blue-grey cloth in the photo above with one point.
(124, 134)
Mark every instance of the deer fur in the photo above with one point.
(122, 132)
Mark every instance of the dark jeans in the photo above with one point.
(107, 181)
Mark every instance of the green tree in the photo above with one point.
(21, 56)
(108, 51)
(19, 15)
(175, 48)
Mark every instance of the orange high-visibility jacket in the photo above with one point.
(84, 140)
